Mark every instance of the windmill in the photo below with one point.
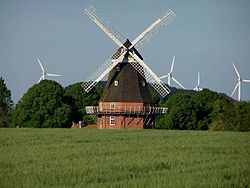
(126, 96)
(238, 85)
(197, 87)
(171, 77)
(44, 73)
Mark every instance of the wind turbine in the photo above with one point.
(238, 85)
(170, 75)
(44, 73)
(197, 87)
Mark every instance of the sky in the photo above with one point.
(207, 36)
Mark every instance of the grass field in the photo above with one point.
(109, 158)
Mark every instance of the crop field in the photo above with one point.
(113, 158)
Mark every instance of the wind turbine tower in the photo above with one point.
(197, 87)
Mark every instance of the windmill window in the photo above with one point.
(112, 120)
(116, 83)
(143, 83)
(117, 68)
(112, 105)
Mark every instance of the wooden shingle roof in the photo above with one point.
(132, 86)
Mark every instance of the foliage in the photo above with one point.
(6, 104)
(43, 106)
(49, 105)
(205, 110)
(181, 114)
(78, 99)
(145, 158)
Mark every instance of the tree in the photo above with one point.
(43, 106)
(78, 99)
(6, 104)
(181, 114)
(201, 111)
(242, 110)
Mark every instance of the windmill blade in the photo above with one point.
(235, 89)
(104, 25)
(238, 74)
(150, 76)
(246, 81)
(102, 71)
(48, 74)
(40, 64)
(146, 35)
(172, 65)
(176, 81)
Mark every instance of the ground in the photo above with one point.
(118, 158)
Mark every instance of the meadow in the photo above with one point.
(114, 158)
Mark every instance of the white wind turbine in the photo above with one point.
(197, 87)
(170, 75)
(44, 73)
(239, 81)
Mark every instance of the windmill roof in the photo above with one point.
(132, 87)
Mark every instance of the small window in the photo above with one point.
(112, 105)
(116, 83)
(112, 120)
(118, 68)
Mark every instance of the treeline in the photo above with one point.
(205, 110)
(48, 104)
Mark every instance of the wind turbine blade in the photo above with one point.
(172, 65)
(40, 64)
(48, 74)
(246, 81)
(178, 83)
(40, 79)
(198, 78)
(238, 74)
(235, 89)
(165, 76)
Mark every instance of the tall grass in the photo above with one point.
(110, 158)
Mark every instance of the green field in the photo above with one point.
(109, 158)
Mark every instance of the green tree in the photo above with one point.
(78, 99)
(6, 104)
(223, 115)
(242, 110)
(199, 111)
(43, 106)
(181, 114)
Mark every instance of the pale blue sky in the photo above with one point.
(206, 36)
